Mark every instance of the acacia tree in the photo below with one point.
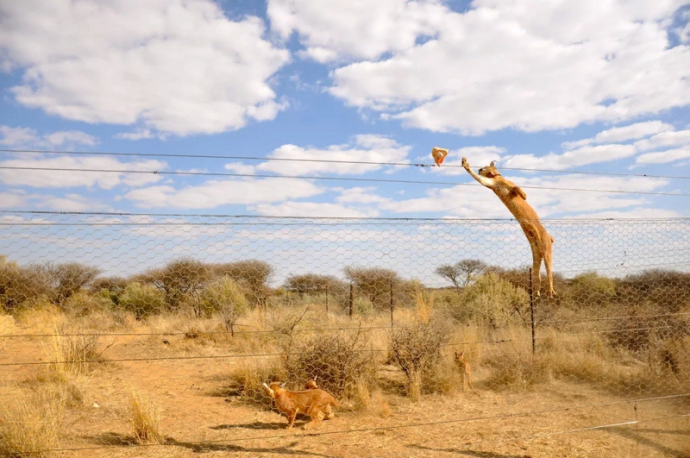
(462, 273)
(68, 278)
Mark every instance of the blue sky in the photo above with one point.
(591, 85)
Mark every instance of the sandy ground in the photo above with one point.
(199, 419)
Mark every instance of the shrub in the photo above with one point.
(21, 285)
(83, 303)
(253, 275)
(144, 417)
(492, 301)
(590, 289)
(340, 363)
(30, 424)
(142, 300)
(315, 284)
(223, 296)
(67, 279)
(179, 280)
(375, 283)
(416, 350)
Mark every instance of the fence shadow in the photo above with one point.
(473, 453)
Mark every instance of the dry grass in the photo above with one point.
(72, 355)
(144, 418)
(30, 424)
(248, 377)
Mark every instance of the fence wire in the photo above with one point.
(119, 330)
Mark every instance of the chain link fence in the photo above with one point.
(161, 330)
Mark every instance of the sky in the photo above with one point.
(599, 86)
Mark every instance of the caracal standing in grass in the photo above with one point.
(465, 369)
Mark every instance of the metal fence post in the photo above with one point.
(531, 307)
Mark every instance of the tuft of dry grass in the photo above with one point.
(71, 354)
(248, 377)
(144, 418)
(30, 424)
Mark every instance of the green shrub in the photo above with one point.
(225, 297)
(142, 300)
(492, 301)
(83, 303)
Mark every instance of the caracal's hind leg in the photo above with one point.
(536, 269)
(316, 417)
(547, 262)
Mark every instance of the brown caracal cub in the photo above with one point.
(316, 403)
(464, 367)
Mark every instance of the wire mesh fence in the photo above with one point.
(174, 331)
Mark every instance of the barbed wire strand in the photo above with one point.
(330, 178)
(335, 218)
(267, 355)
(316, 329)
(330, 161)
(414, 425)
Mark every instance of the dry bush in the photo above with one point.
(41, 316)
(416, 350)
(315, 284)
(82, 303)
(515, 367)
(71, 354)
(253, 275)
(492, 301)
(67, 279)
(248, 376)
(114, 285)
(21, 285)
(144, 418)
(225, 298)
(340, 362)
(644, 323)
(374, 283)
(180, 280)
(30, 424)
(142, 299)
(663, 288)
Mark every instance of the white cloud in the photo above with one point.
(215, 193)
(577, 157)
(17, 136)
(664, 156)
(664, 139)
(636, 213)
(622, 134)
(500, 65)
(12, 199)
(367, 148)
(238, 167)
(70, 202)
(360, 195)
(176, 66)
(29, 138)
(137, 134)
(313, 209)
(361, 30)
(58, 179)
(475, 201)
